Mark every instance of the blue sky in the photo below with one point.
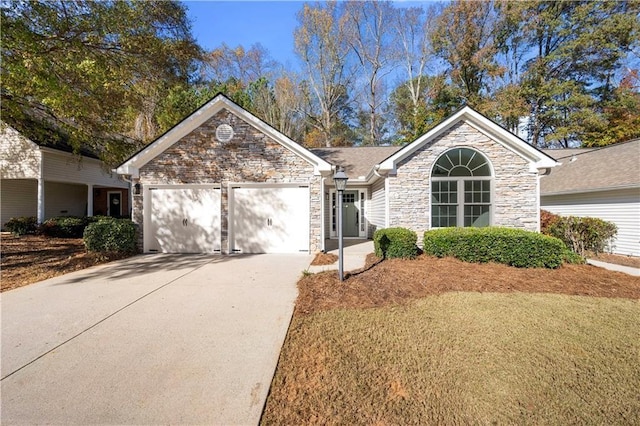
(270, 23)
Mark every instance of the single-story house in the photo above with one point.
(223, 180)
(602, 182)
(46, 181)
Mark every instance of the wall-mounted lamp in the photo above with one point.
(136, 189)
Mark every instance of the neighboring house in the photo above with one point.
(603, 183)
(47, 181)
(223, 180)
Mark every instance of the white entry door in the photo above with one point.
(270, 219)
(183, 220)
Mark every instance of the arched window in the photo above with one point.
(461, 189)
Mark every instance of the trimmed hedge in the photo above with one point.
(514, 247)
(395, 243)
(111, 235)
(22, 225)
(69, 226)
(64, 226)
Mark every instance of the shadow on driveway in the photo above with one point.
(143, 264)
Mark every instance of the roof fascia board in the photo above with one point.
(320, 166)
(67, 154)
(389, 165)
(189, 124)
(505, 138)
(132, 165)
(590, 190)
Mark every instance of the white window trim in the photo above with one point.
(460, 194)
(333, 235)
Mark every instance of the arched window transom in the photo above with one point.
(461, 189)
(461, 162)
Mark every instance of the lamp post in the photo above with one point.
(340, 180)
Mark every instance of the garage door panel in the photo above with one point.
(185, 220)
(271, 220)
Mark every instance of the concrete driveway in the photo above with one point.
(155, 339)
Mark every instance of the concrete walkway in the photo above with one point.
(355, 255)
(155, 339)
(613, 267)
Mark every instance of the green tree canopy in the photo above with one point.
(99, 68)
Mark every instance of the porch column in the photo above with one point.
(89, 199)
(40, 199)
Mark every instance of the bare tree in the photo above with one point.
(239, 63)
(373, 42)
(321, 44)
(412, 28)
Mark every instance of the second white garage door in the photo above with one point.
(270, 219)
(183, 219)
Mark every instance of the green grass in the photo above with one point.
(463, 358)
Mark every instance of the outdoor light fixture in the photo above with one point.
(136, 189)
(340, 180)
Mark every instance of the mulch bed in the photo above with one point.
(396, 281)
(32, 258)
(324, 259)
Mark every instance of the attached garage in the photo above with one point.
(182, 219)
(270, 219)
(224, 181)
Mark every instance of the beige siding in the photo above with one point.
(18, 197)
(376, 212)
(19, 157)
(621, 207)
(63, 199)
(63, 167)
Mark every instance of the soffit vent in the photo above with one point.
(224, 133)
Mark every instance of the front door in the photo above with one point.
(115, 204)
(350, 214)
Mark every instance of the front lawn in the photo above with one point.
(438, 341)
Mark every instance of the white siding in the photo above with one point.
(63, 167)
(19, 157)
(18, 197)
(376, 212)
(63, 199)
(621, 207)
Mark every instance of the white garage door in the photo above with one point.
(270, 220)
(183, 219)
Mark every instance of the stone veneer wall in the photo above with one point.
(514, 188)
(250, 156)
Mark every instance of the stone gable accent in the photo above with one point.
(514, 188)
(250, 156)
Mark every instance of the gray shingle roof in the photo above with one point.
(614, 166)
(357, 161)
(559, 153)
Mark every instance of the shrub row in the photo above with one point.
(395, 243)
(580, 234)
(111, 235)
(100, 233)
(22, 225)
(512, 247)
(66, 226)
